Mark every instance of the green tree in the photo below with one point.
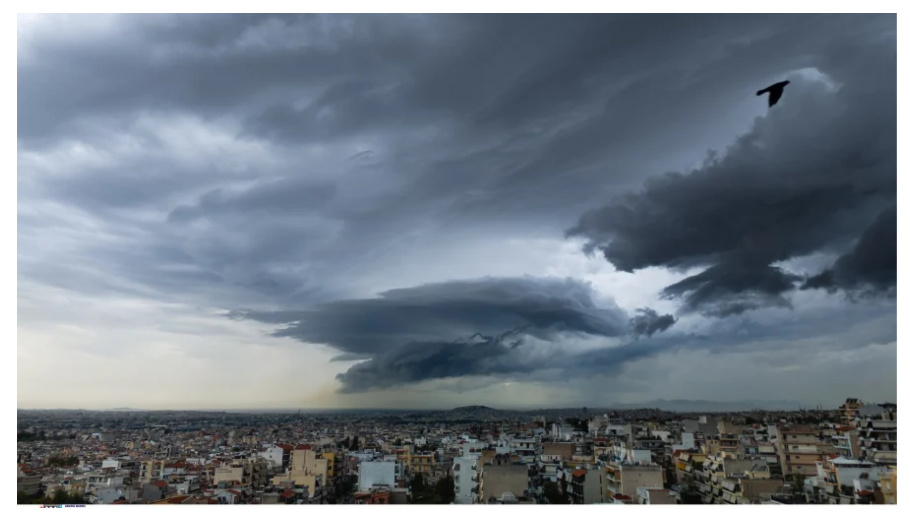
(445, 489)
(553, 494)
(421, 494)
(59, 461)
(29, 499)
(417, 483)
(688, 497)
(799, 481)
(60, 496)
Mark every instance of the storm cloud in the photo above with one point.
(458, 328)
(871, 267)
(801, 181)
(398, 188)
(648, 322)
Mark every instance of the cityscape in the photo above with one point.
(469, 455)
(456, 259)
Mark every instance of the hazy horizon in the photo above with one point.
(210, 408)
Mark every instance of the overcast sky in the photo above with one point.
(435, 211)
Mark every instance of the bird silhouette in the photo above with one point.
(774, 92)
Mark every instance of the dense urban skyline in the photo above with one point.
(223, 211)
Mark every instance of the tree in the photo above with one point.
(417, 483)
(420, 492)
(424, 494)
(28, 499)
(355, 445)
(688, 497)
(58, 461)
(445, 489)
(553, 494)
(60, 497)
(799, 481)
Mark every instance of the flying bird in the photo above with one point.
(774, 92)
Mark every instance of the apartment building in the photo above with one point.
(584, 487)
(849, 409)
(877, 434)
(846, 442)
(230, 474)
(421, 462)
(799, 449)
(374, 473)
(888, 485)
(151, 470)
(625, 478)
(501, 478)
(468, 477)
(655, 496)
(557, 452)
(685, 463)
(840, 480)
(748, 490)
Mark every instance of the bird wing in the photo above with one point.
(774, 97)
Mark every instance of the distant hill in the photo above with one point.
(710, 406)
(473, 409)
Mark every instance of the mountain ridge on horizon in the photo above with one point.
(666, 405)
(679, 405)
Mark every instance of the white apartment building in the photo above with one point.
(373, 473)
(467, 480)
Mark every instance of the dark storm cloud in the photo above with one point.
(648, 323)
(731, 288)
(478, 125)
(799, 182)
(871, 266)
(564, 107)
(291, 162)
(209, 63)
(450, 329)
(815, 333)
(419, 361)
(449, 311)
